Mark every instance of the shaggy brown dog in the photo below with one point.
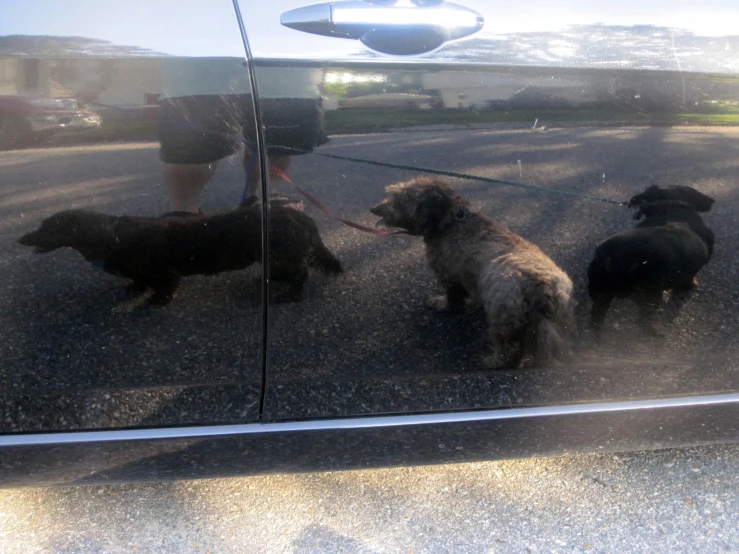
(663, 253)
(527, 298)
(155, 252)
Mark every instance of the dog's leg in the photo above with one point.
(294, 279)
(504, 356)
(649, 303)
(136, 287)
(601, 303)
(679, 296)
(548, 341)
(163, 291)
(507, 349)
(494, 360)
(454, 299)
(324, 259)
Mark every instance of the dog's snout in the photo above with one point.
(381, 210)
(28, 239)
(38, 241)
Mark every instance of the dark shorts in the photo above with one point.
(204, 129)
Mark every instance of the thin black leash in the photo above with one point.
(471, 177)
(458, 175)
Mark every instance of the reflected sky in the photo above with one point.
(164, 26)
(168, 26)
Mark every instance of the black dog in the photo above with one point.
(662, 253)
(155, 252)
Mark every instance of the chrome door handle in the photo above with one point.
(398, 27)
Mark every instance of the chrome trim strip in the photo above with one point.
(361, 423)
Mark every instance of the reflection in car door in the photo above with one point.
(544, 135)
(132, 270)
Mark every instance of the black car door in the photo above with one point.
(546, 125)
(124, 130)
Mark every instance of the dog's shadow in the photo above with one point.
(86, 330)
(246, 291)
(465, 331)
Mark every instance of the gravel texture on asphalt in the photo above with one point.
(666, 501)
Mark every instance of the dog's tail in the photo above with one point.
(551, 343)
(324, 259)
(552, 330)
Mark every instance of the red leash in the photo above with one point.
(275, 172)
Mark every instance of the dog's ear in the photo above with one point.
(381, 209)
(699, 201)
(644, 197)
(432, 210)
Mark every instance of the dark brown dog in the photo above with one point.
(662, 253)
(527, 298)
(156, 252)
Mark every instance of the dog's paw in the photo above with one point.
(130, 305)
(285, 297)
(439, 303)
(493, 361)
(135, 289)
(654, 330)
(160, 299)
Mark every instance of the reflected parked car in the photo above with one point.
(196, 277)
(26, 119)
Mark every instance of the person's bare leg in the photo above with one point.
(280, 162)
(184, 184)
(253, 173)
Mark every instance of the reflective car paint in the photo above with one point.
(79, 353)
(549, 131)
(519, 116)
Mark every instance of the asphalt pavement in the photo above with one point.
(659, 502)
